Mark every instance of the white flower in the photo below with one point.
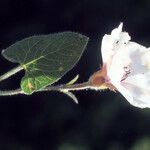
(126, 68)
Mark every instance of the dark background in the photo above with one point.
(52, 121)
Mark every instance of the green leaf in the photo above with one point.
(46, 58)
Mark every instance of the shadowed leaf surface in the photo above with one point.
(46, 58)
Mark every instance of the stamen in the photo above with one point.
(127, 71)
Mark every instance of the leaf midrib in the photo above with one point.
(27, 64)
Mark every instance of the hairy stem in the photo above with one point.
(10, 73)
(63, 88)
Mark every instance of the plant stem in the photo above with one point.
(10, 73)
(11, 92)
(63, 88)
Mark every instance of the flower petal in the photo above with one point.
(136, 96)
(127, 67)
(130, 59)
(138, 87)
(109, 42)
(126, 93)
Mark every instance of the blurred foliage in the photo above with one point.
(142, 144)
(72, 147)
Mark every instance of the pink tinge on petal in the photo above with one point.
(100, 80)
